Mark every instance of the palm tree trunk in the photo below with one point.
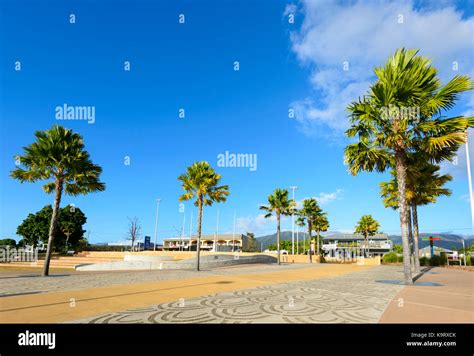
(198, 246)
(317, 244)
(53, 225)
(309, 240)
(67, 239)
(403, 206)
(410, 240)
(278, 237)
(416, 236)
(367, 244)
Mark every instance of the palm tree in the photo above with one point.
(202, 183)
(401, 115)
(320, 224)
(278, 204)
(306, 216)
(58, 155)
(67, 228)
(367, 226)
(424, 186)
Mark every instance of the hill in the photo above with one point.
(448, 241)
(284, 236)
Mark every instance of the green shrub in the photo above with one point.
(400, 258)
(424, 261)
(468, 260)
(438, 260)
(390, 257)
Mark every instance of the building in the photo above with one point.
(353, 245)
(438, 251)
(223, 243)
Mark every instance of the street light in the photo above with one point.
(293, 187)
(156, 221)
(469, 177)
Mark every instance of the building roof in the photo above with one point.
(354, 237)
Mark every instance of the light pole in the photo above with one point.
(469, 177)
(156, 221)
(297, 240)
(216, 238)
(464, 250)
(182, 230)
(293, 187)
(233, 234)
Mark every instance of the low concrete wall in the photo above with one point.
(184, 255)
(210, 261)
(146, 258)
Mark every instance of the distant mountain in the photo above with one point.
(284, 236)
(448, 241)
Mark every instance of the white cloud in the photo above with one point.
(324, 198)
(365, 34)
(290, 9)
(254, 223)
(464, 198)
(458, 168)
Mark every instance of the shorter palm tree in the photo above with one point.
(279, 204)
(306, 216)
(424, 185)
(202, 183)
(367, 226)
(320, 224)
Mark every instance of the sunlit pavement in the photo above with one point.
(292, 293)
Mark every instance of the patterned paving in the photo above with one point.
(351, 298)
(14, 283)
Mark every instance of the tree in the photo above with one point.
(134, 230)
(424, 186)
(8, 242)
(278, 204)
(307, 216)
(367, 226)
(320, 224)
(36, 226)
(252, 243)
(398, 248)
(58, 155)
(201, 182)
(402, 114)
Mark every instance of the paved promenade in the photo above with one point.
(292, 293)
(450, 301)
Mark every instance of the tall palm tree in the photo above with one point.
(424, 186)
(367, 226)
(58, 155)
(202, 183)
(402, 114)
(278, 204)
(320, 224)
(306, 216)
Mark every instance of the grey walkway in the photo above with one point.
(351, 298)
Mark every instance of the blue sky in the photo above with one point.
(190, 66)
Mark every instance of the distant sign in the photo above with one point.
(147, 242)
